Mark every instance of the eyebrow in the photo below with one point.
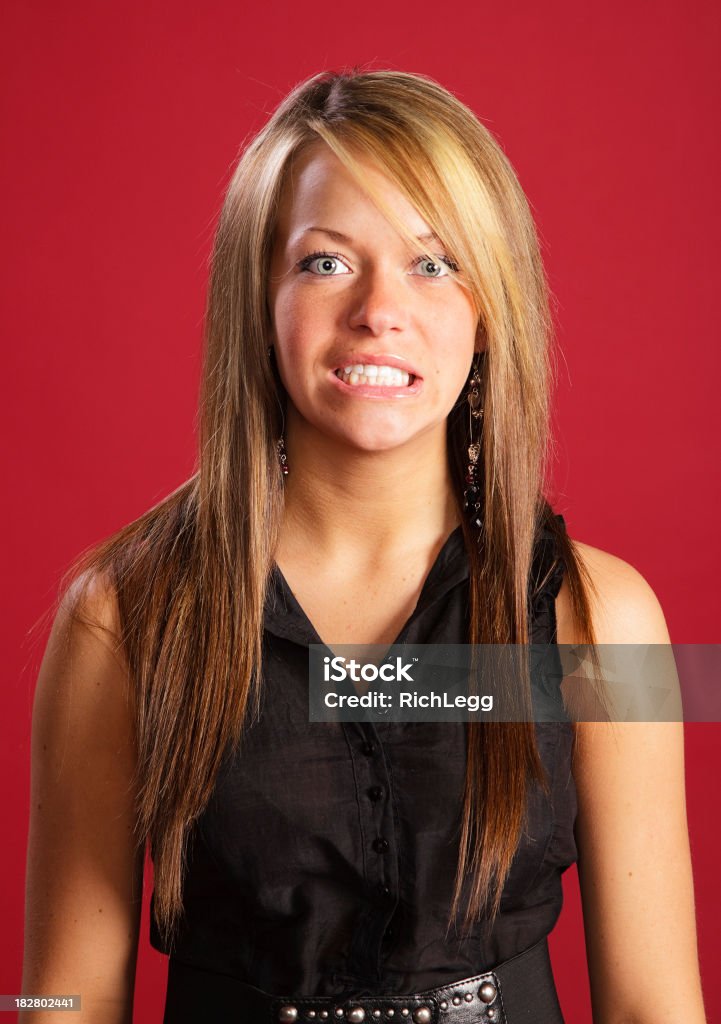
(338, 236)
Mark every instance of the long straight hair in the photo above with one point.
(189, 577)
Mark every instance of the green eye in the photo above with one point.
(327, 262)
(436, 266)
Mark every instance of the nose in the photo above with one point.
(378, 302)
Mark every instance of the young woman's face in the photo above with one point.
(345, 291)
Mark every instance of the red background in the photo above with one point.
(121, 123)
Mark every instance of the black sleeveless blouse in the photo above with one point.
(325, 860)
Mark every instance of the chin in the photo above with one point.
(380, 441)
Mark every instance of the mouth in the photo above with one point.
(398, 385)
(375, 376)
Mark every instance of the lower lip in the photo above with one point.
(377, 390)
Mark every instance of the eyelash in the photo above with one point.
(305, 263)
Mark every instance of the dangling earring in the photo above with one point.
(280, 443)
(282, 457)
(472, 494)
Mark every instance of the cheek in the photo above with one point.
(287, 321)
(298, 317)
(305, 334)
(453, 333)
(297, 337)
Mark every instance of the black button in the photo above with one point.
(389, 933)
(383, 890)
(368, 748)
(375, 792)
(380, 845)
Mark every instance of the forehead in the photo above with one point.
(318, 184)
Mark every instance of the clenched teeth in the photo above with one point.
(376, 376)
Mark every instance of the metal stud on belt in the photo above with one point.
(356, 1014)
(487, 992)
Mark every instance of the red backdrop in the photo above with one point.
(121, 123)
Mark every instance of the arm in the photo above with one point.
(84, 874)
(634, 861)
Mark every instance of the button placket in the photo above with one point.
(375, 810)
(379, 839)
(380, 844)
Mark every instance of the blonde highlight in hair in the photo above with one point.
(190, 575)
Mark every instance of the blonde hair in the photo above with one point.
(190, 575)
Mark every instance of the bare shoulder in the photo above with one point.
(90, 606)
(84, 673)
(624, 606)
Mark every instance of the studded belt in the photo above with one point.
(518, 990)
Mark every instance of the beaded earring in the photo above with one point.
(282, 457)
(280, 443)
(472, 494)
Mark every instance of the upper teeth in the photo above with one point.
(371, 374)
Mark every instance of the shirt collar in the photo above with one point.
(285, 618)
